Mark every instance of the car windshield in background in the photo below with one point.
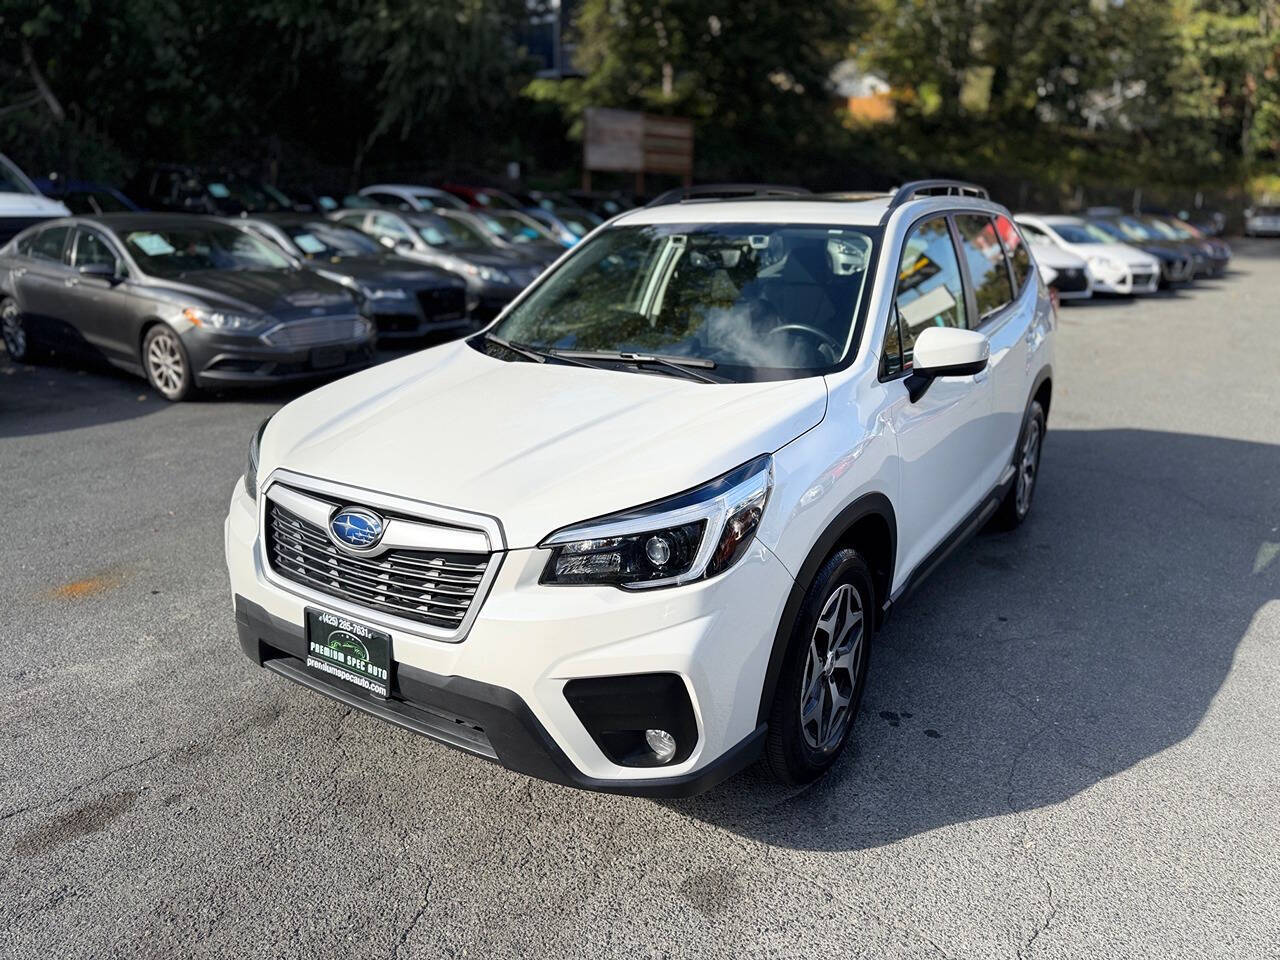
(579, 222)
(173, 251)
(510, 227)
(752, 301)
(12, 179)
(1082, 233)
(451, 233)
(330, 240)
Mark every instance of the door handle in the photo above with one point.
(71, 282)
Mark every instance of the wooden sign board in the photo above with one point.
(625, 141)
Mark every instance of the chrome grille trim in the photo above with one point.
(314, 331)
(434, 592)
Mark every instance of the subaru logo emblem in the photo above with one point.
(356, 528)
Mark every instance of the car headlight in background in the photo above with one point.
(1106, 265)
(225, 321)
(696, 534)
(251, 469)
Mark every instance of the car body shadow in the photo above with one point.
(1034, 664)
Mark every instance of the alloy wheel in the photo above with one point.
(12, 331)
(165, 363)
(831, 670)
(1028, 463)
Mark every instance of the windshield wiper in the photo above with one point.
(536, 354)
(685, 366)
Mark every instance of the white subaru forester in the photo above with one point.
(639, 532)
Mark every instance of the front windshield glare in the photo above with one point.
(174, 251)
(760, 301)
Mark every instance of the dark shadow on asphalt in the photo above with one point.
(1036, 663)
(76, 391)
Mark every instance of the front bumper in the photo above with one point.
(431, 310)
(499, 693)
(224, 361)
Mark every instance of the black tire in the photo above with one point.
(18, 342)
(796, 750)
(166, 363)
(1016, 505)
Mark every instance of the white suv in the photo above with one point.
(639, 532)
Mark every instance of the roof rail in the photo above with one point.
(937, 188)
(726, 191)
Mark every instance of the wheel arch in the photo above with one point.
(1042, 389)
(868, 525)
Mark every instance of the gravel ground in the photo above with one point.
(1068, 747)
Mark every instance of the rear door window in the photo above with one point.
(50, 244)
(1016, 249)
(984, 257)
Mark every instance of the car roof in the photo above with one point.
(141, 220)
(408, 187)
(1051, 218)
(843, 209)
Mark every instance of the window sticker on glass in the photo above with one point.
(219, 190)
(308, 244)
(152, 244)
(432, 236)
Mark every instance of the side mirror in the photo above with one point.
(945, 352)
(404, 244)
(97, 271)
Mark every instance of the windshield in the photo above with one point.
(760, 301)
(173, 251)
(13, 180)
(1166, 230)
(452, 233)
(330, 240)
(1082, 233)
(513, 228)
(579, 222)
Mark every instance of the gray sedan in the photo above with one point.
(186, 301)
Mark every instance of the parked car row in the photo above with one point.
(1109, 252)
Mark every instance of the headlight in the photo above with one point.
(697, 534)
(487, 274)
(1105, 265)
(384, 293)
(225, 321)
(251, 469)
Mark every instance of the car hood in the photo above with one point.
(385, 271)
(282, 293)
(538, 446)
(30, 205)
(1057, 258)
(1130, 256)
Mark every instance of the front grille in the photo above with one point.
(443, 303)
(313, 331)
(424, 586)
(1069, 281)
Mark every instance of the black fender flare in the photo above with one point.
(869, 504)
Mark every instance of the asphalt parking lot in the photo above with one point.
(1068, 747)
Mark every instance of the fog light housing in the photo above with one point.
(637, 720)
(661, 743)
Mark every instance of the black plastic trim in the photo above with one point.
(870, 504)
(516, 738)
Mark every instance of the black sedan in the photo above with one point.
(185, 301)
(405, 298)
(494, 275)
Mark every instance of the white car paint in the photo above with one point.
(25, 204)
(517, 450)
(414, 196)
(1054, 261)
(1114, 267)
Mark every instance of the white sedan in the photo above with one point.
(1114, 267)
